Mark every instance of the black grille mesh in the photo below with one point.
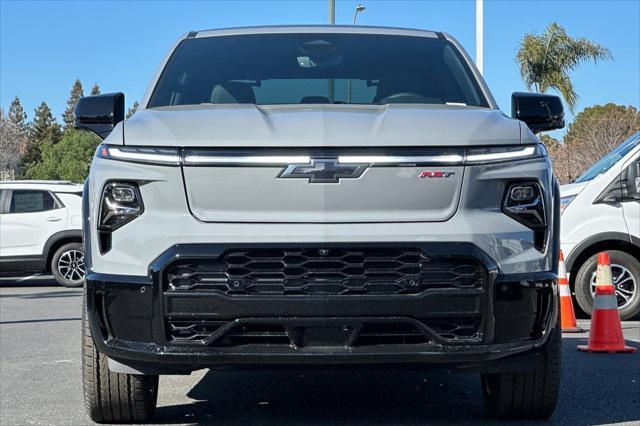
(277, 332)
(323, 271)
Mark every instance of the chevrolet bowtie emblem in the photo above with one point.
(323, 170)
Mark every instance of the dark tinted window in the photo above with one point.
(316, 68)
(31, 201)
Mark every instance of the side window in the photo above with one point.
(31, 201)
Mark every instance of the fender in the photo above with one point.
(68, 233)
(555, 235)
(604, 236)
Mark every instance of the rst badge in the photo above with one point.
(435, 174)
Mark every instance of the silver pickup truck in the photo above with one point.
(320, 196)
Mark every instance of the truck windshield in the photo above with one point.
(610, 159)
(270, 69)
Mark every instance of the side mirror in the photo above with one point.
(631, 181)
(99, 113)
(625, 187)
(540, 112)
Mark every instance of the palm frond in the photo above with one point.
(561, 82)
(546, 59)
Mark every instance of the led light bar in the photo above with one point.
(200, 157)
(204, 160)
(497, 154)
(138, 154)
(390, 159)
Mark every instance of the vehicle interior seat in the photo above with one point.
(232, 93)
(315, 100)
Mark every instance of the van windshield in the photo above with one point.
(309, 68)
(610, 159)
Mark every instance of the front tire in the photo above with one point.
(528, 394)
(624, 267)
(67, 265)
(113, 397)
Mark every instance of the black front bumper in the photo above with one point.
(500, 322)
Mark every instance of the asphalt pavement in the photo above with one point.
(40, 380)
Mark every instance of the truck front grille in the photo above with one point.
(351, 333)
(323, 271)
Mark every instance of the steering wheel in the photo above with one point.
(404, 97)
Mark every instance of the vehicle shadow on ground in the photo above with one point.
(33, 281)
(364, 396)
(43, 295)
(39, 320)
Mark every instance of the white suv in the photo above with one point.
(41, 229)
(601, 211)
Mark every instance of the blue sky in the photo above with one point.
(46, 45)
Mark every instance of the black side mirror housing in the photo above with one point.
(631, 181)
(99, 113)
(625, 187)
(540, 112)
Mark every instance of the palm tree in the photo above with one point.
(545, 60)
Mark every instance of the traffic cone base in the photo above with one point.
(567, 315)
(605, 334)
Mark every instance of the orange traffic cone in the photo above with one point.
(567, 315)
(606, 331)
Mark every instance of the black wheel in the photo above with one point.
(528, 394)
(625, 270)
(67, 265)
(113, 397)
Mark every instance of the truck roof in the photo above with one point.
(337, 29)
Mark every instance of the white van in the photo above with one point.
(601, 212)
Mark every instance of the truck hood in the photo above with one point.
(320, 126)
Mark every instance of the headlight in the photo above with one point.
(565, 201)
(120, 203)
(524, 202)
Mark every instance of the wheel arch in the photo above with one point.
(599, 242)
(56, 241)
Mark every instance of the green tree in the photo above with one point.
(545, 60)
(76, 93)
(17, 116)
(44, 125)
(68, 159)
(95, 90)
(43, 129)
(132, 110)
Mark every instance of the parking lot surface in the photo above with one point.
(40, 380)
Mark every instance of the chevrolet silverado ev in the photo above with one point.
(320, 196)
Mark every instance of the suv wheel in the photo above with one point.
(626, 279)
(67, 265)
(528, 394)
(113, 397)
